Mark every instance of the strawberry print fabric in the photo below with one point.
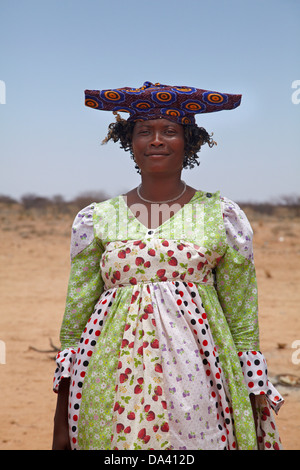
(160, 332)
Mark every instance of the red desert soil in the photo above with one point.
(34, 256)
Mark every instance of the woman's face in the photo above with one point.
(158, 146)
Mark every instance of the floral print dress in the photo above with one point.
(160, 334)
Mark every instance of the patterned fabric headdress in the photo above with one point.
(153, 101)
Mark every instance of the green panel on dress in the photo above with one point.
(94, 430)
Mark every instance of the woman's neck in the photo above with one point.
(161, 188)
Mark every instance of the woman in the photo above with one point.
(160, 343)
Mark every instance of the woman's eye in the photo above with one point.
(143, 132)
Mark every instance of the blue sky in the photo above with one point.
(51, 51)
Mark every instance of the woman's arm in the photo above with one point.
(61, 440)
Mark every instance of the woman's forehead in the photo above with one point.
(157, 123)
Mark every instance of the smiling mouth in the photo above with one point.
(156, 154)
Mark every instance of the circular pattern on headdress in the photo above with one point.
(93, 103)
(193, 106)
(115, 96)
(135, 91)
(172, 112)
(184, 89)
(163, 97)
(214, 98)
(142, 105)
(187, 120)
(123, 109)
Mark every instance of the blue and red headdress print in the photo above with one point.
(153, 101)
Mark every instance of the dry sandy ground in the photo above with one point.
(34, 270)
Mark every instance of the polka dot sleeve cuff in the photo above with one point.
(64, 363)
(254, 367)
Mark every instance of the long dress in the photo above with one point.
(160, 333)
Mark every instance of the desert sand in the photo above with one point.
(34, 254)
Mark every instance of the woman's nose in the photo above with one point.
(157, 139)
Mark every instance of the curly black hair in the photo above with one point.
(122, 130)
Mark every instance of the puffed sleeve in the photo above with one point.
(84, 288)
(237, 290)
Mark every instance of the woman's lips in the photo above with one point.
(157, 154)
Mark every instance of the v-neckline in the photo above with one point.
(154, 229)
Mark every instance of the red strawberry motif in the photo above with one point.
(144, 316)
(133, 281)
(164, 427)
(154, 344)
(122, 254)
(142, 245)
(150, 416)
(139, 260)
(123, 378)
(127, 430)
(266, 411)
(120, 427)
(138, 389)
(158, 390)
(117, 275)
(151, 252)
(148, 309)
(158, 368)
(173, 261)
(131, 415)
(147, 264)
(161, 272)
(126, 268)
(117, 405)
(170, 253)
(175, 273)
(155, 428)
(142, 433)
(147, 408)
(146, 439)
(165, 243)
